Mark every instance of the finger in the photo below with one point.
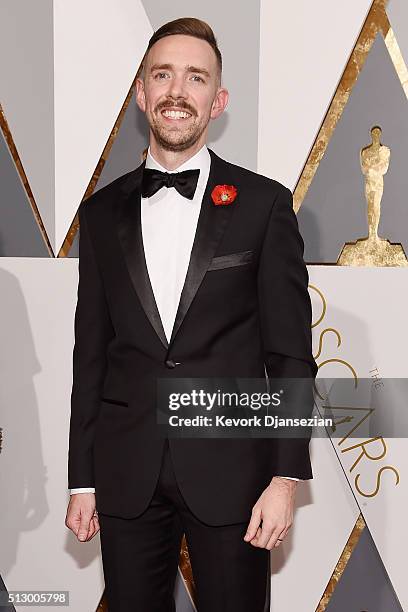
(95, 528)
(96, 523)
(254, 540)
(253, 525)
(91, 531)
(84, 526)
(281, 537)
(266, 533)
(273, 541)
(73, 522)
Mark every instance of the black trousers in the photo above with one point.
(140, 557)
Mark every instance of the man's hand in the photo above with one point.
(275, 509)
(81, 517)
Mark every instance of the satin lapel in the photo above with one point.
(212, 222)
(129, 227)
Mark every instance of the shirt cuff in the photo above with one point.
(82, 490)
(288, 477)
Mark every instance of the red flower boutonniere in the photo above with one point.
(224, 194)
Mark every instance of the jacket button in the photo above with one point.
(170, 363)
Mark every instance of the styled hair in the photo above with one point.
(187, 26)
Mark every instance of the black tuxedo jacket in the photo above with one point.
(244, 307)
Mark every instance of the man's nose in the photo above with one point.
(177, 87)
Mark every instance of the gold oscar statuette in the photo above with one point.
(373, 250)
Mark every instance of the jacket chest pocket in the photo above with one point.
(231, 260)
(116, 402)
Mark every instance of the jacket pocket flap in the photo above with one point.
(230, 260)
(110, 400)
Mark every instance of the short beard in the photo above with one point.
(188, 140)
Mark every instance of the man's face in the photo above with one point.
(180, 91)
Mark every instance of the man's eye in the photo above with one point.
(195, 76)
(160, 74)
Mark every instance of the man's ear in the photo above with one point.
(140, 94)
(220, 102)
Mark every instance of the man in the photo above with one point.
(184, 277)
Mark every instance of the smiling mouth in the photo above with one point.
(175, 114)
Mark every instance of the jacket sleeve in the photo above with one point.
(93, 331)
(286, 319)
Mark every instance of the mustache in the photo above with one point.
(170, 104)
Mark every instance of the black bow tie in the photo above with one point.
(185, 182)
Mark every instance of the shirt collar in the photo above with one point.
(200, 160)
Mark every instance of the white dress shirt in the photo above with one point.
(169, 222)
